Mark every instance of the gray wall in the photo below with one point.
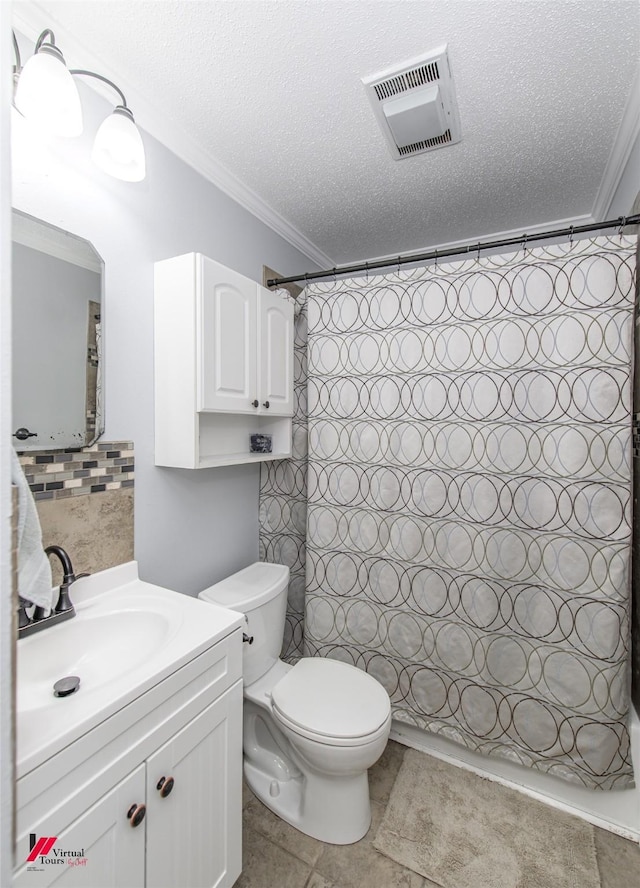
(191, 527)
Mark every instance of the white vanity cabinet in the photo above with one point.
(223, 365)
(152, 797)
(111, 849)
(197, 813)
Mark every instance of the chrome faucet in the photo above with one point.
(63, 610)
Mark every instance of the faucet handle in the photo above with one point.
(23, 616)
(64, 602)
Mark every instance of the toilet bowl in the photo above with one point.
(311, 730)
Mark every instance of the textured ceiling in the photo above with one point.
(272, 91)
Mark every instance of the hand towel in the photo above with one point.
(34, 570)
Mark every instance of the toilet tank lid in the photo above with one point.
(249, 588)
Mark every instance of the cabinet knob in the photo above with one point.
(135, 814)
(266, 404)
(255, 403)
(164, 786)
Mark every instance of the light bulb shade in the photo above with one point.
(47, 95)
(118, 148)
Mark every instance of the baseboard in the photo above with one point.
(616, 811)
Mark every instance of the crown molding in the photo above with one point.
(30, 18)
(529, 230)
(627, 133)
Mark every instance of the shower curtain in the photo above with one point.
(469, 511)
(283, 495)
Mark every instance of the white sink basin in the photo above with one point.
(126, 636)
(98, 649)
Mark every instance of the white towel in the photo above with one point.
(34, 570)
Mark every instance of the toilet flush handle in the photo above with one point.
(248, 639)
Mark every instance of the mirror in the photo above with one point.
(58, 348)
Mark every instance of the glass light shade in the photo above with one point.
(118, 148)
(47, 95)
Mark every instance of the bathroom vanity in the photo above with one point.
(136, 776)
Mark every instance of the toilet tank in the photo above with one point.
(260, 593)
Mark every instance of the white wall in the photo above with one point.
(6, 603)
(191, 527)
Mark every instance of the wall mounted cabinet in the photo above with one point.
(223, 365)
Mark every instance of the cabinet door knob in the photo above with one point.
(135, 814)
(164, 786)
(266, 404)
(255, 403)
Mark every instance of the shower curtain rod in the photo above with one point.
(620, 222)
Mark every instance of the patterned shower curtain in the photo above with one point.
(469, 510)
(283, 496)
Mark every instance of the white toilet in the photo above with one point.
(311, 730)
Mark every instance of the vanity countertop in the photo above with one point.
(126, 637)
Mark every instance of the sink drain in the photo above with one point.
(65, 686)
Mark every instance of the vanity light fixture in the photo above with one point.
(46, 93)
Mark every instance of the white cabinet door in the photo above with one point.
(227, 322)
(112, 850)
(194, 833)
(275, 354)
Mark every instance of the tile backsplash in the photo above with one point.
(84, 499)
(57, 474)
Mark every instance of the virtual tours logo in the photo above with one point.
(42, 854)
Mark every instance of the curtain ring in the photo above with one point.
(398, 264)
(335, 275)
(524, 243)
(623, 222)
(571, 236)
(478, 251)
(436, 264)
(366, 271)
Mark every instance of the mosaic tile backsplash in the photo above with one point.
(57, 474)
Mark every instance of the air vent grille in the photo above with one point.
(415, 104)
(444, 139)
(409, 80)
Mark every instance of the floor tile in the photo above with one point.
(265, 865)
(247, 795)
(618, 860)
(383, 774)
(318, 881)
(354, 866)
(259, 818)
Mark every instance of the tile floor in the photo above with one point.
(275, 855)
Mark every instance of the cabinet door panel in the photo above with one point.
(194, 833)
(227, 340)
(275, 353)
(114, 851)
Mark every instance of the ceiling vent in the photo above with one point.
(415, 104)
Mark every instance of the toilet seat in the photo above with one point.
(331, 702)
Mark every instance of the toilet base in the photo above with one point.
(335, 810)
